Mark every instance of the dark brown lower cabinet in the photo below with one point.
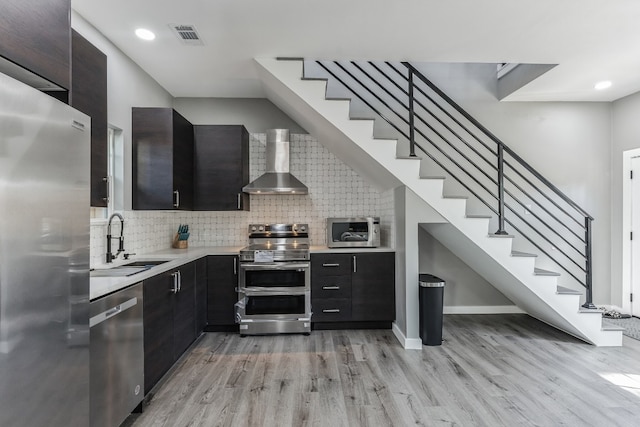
(222, 274)
(169, 320)
(353, 290)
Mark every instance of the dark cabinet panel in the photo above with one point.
(201, 295)
(353, 287)
(36, 34)
(373, 287)
(222, 272)
(221, 163)
(89, 95)
(162, 159)
(184, 314)
(158, 328)
(169, 320)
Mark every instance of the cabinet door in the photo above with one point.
(221, 167)
(201, 295)
(373, 287)
(183, 161)
(162, 159)
(184, 312)
(222, 272)
(36, 34)
(158, 328)
(89, 95)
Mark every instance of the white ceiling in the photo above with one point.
(591, 40)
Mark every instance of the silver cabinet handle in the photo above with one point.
(331, 288)
(179, 280)
(107, 183)
(174, 290)
(176, 193)
(235, 266)
(331, 310)
(331, 265)
(355, 265)
(239, 201)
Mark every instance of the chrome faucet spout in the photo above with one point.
(110, 257)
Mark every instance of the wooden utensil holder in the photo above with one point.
(180, 244)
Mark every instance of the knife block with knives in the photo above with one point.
(181, 239)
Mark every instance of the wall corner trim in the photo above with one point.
(407, 343)
(483, 309)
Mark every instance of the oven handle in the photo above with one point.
(259, 291)
(276, 266)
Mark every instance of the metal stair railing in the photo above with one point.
(452, 140)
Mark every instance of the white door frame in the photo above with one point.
(626, 227)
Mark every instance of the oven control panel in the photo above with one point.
(278, 230)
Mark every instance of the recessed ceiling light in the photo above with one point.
(145, 34)
(602, 85)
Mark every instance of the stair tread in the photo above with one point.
(567, 291)
(289, 58)
(479, 216)
(542, 272)
(338, 98)
(324, 79)
(591, 310)
(522, 254)
(433, 177)
(455, 197)
(408, 157)
(502, 236)
(353, 118)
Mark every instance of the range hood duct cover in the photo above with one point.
(277, 179)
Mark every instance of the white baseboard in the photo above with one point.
(483, 309)
(407, 343)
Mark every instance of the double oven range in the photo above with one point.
(274, 283)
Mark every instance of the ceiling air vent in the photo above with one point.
(187, 34)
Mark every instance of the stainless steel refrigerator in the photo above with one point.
(44, 259)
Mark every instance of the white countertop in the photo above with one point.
(326, 249)
(101, 286)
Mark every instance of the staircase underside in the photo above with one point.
(534, 291)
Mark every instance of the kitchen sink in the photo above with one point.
(128, 269)
(148, 263)
(120, 271)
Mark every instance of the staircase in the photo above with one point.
(512, 271)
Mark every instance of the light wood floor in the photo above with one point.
(492, 370)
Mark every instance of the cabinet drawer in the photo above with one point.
(330, 265)
(331, 287)
(331, 310)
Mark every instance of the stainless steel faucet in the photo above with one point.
(110, 256)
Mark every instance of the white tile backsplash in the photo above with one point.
(335, 190)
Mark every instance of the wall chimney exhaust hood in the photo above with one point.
(277, 179)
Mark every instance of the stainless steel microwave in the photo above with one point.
(353, 232)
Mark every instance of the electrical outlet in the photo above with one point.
(527, 210)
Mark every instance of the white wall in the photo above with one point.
(257, 115)
(625, 136)
(567, 142)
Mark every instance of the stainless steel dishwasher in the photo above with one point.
(117, 356)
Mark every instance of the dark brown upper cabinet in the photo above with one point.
(89, 95)
(162, 160)
(221, 167)
(36, 35)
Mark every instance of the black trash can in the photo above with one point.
(431, 300)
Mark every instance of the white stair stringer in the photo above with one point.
(467, 237)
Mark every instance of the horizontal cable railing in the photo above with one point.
(455, 143)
